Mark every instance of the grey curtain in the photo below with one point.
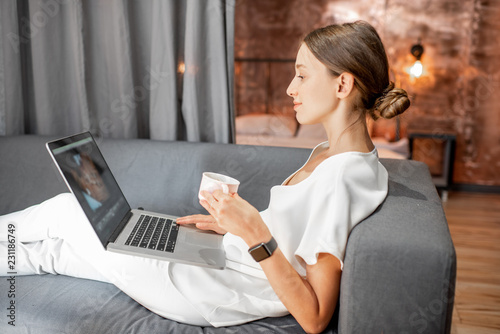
(159, 69)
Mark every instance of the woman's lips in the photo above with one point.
(296, 105)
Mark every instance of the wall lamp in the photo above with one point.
(417, 69)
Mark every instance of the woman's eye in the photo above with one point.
(300, 76)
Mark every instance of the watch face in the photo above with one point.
(260, 253)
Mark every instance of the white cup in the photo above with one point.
(213, 181)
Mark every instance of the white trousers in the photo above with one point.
(55, 237)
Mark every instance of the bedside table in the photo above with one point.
(443, 181)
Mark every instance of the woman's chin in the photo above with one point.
(304, 121)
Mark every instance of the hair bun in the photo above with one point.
(392, 102)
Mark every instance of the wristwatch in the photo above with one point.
(264, 250)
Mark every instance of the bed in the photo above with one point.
(283, 130)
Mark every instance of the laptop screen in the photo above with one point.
(87, 174)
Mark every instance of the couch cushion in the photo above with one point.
(51, 304)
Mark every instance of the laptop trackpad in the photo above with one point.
(203, 239)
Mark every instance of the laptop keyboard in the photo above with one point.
(154, 233)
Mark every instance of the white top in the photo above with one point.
(311, 217)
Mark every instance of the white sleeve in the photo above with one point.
(356, 190)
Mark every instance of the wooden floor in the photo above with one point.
(474, 222)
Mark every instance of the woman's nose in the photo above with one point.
(291, 90)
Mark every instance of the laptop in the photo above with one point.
(120, 228)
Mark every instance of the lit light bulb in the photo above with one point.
(417, 69)
(181, 68)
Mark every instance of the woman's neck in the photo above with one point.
(348, 133)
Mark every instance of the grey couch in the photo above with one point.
(400, 263)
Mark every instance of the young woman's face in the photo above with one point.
(312, 89)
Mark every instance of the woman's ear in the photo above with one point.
(345, 86)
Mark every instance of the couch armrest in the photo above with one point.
(400, 264)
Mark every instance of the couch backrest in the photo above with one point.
(400, 262)
(156, 175)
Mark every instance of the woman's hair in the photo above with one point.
(356, 48)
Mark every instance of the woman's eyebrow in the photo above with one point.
(297, 66)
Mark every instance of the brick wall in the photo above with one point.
(457, 93)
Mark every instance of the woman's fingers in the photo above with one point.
(208, 207)
(194, 219)
(202, 222)
(211, 201)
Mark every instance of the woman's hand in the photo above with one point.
(203, 222)
(235, 215)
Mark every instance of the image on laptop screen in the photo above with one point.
(91, 182)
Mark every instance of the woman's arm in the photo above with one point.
(310, 300)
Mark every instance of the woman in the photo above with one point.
(286, 259)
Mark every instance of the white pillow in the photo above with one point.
(266, 124)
